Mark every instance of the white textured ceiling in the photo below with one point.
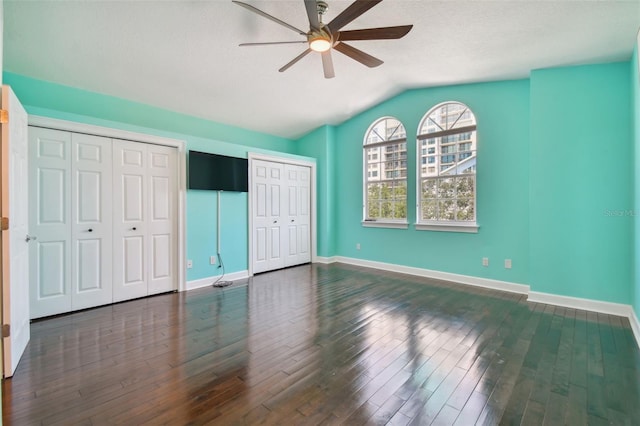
(184, 55)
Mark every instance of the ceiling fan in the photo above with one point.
(323, 37)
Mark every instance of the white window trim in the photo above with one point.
(465, 227)
(385, 224)
(442, 226)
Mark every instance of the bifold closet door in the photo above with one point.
(129, 220)
(49, 221)
(144, 221)
(163, 212)
(268, 191)
(297, 180)
(91, 209)
(70, 221)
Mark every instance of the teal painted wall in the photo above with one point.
(581, 182)
(635, 114)
(320, 144)
(67, 103)
(502, 112)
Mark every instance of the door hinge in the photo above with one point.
(4, 116)
(6, 330)
(4, 223)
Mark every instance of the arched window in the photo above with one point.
(447, 168)
(385, 173)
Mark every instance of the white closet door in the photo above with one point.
(129, 220)
(268, 218)
(298, 232)
(91, 208)
(162, 221)
(49, 221)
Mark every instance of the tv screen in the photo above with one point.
(218, 172)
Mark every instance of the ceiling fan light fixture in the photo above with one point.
(320, 43)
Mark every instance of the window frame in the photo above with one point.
(383, 222)
(444, 225)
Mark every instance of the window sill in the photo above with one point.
(382, 224)
(470, 228)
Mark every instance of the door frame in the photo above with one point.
(181, 168)
(283, 160)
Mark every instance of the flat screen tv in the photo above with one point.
(218, 172)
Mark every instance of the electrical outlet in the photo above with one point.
(507, 263)
(485, 261)
(358, 246)
(189, 264)
(213, 260)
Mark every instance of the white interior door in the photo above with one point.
(298, 230)
(268, 220)
(162, 253)
(129, 220)
(49, 221)
(14, 242)
(91, 208)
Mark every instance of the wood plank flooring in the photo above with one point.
(328, 344)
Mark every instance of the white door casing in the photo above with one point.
(16, 300)
(49, 221)
(91, 209)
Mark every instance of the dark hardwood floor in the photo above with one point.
(328, 344)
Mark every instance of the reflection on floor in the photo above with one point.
(332, 344)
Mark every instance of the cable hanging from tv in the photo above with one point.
(220, 282)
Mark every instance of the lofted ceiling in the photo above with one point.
(184, 56)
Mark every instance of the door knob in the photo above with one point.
(29, 238)
(134, 228)
(293, 220)
(275, 221)
(89, 230)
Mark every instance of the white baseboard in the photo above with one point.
(579, 303)
(325, 260)
(438, 275)
(208, 281)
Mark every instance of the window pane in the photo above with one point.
(465, 210)
(446, 188)
(447, 209)
(465, 186)
(429, 210)
(430, 188)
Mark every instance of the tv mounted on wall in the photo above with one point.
(218, 172)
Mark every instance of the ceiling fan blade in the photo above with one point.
(296, 59)
(358, 55)
(312, 13)
(327, 64)
(266, 15)
(271, 42)
(354, 10)
(384, 33)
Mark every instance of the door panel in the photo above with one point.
(15, 249)
(267, 192)
(162, 256)
(91, 207)
(129, 220)
(298, 220)
(50, 221)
